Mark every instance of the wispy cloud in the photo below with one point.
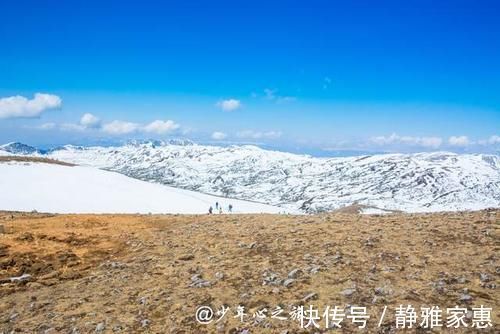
(22, 107)
(229, 105)
(119, 127)
(161, 127)
(47, 126)
(251, 134)
(461, 141)
(395, 139)
(271, 95)
(217, 135)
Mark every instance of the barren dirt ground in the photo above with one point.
(140, 273)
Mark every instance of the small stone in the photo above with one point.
(186, 257)
(315, 270)
(310, 296)
(21, 279)
(382, 291)
(145, 322)
(288, 282)
(275, 290)
(100, 327)
(142, 301)
(466, 298)
(221, 327)
(252, 245)
(201, 283)
(219, 275)
(294, 273)
(348, 292)
(195, 277)
(485, 278)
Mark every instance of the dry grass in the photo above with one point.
(122, 269)
(34, 159)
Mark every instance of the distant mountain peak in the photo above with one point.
(19, 148)
(155, 143)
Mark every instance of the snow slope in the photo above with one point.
(62, 189)
(422, 182)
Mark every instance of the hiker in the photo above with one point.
(210, 209)
(216, 205)
(230, 208)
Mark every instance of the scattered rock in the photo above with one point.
(485, 277)
(295, 273)
(252, 245)
(20, 279)
(100, 327)
(465, 298)
(288, 282)
(200, 283)
(221, 327)
(310, 296)
(219, 275)
(271, 278)
(383, 291)
(348, 292)
(145, 322)
(314, 270)
(186, 257)
(440, 286)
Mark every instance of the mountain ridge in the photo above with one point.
(418, 182)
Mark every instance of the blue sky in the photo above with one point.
(315, 76)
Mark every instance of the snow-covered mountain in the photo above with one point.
(49, 187)
(422, 182)
(19, 148)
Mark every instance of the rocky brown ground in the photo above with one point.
(140, 273)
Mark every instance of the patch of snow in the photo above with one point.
(374, 211)
(62, 189)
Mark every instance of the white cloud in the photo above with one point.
(494, 140)
(90, 121)
(259, 135)
(458, 141)
(270, 94)
(72, 127)
(217, 135)
(229, 105)
(21, 107)
(433, 142)
(47, 126)
(120, 127)
(117, 127)
(394, 139)
(161, 127)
